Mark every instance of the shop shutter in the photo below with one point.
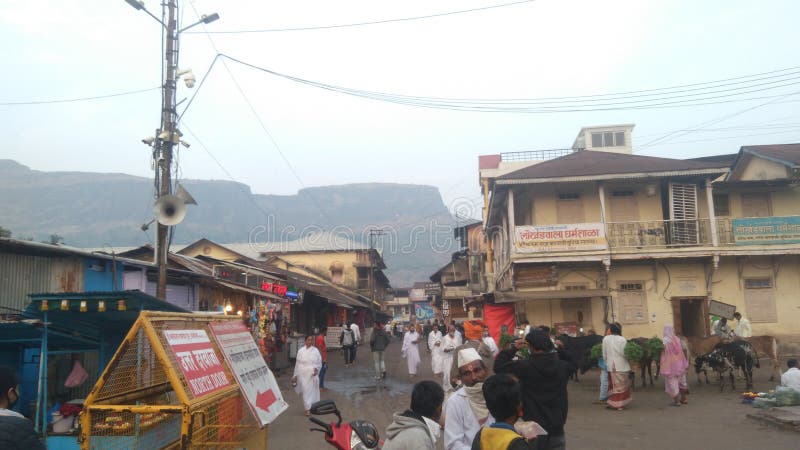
(683, 228)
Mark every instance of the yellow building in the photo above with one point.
(594, 237)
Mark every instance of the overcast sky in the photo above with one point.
(57, 49)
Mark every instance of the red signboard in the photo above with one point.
(277, 289)
(197, 360)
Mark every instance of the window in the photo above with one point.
(722, 205)
(363, 278)
(759, 300)
(623, 193)
(574, 286)
(619, 138)
(756, 204)
(569, 196)
(608, 139)
(632, 302)
(337, 272)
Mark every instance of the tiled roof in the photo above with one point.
(786, 153)
(594, 163)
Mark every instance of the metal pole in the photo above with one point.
(165, 141)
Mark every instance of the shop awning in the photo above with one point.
(249, 290)
(509, 297)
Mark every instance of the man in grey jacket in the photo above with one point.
(377, 344)
(417, 428)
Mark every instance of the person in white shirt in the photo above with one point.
(357, 335)
(465, 410)
(306, 369)
(743, 328)
(449, 344)
(791, 378)
(435, 345)
(619, 389)
(489, 341)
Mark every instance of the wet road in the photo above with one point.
(711, 420)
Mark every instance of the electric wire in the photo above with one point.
(374, 22)
(259, 120)
(78, 99)
(536, 108)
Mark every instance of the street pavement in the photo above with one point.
(711, 420)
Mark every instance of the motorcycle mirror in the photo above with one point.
(323, 407)
(367, 432)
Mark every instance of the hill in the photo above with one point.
(98, 209)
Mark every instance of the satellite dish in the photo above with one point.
(171, 209)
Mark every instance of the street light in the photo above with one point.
(206, 19)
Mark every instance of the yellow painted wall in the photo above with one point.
(649, 206)
(321, 264)
(211, 250)
(761, 169)
(678, 279)
(786, 202)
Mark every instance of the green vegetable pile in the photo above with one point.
(597, 352)
(633, 352)
(654, 347)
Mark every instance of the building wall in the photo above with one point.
(21, 275)
(210, 250)
(321, 264)
(99, 275)
(762, 169)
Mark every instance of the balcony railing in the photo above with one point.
(548, 239)
(536, 155)
(659, 233)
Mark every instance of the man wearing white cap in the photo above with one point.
(465, 410)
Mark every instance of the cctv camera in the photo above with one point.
(189, 79)
(148, 140)
(186, 144)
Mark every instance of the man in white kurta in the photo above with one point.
(449, 344)
(410, 351)
(435, 344)
(465, 410)
(306, 369)
(743, 328)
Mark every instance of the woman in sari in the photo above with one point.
(619, 384)
(673, 367)
(306, 368)
(410, 351)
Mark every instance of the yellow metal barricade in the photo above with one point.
(144, 400)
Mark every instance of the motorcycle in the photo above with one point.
(356, 435)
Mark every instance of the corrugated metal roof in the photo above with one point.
(786, 153)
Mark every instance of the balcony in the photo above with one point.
(656, 234)
(659, 233)
(536, 155)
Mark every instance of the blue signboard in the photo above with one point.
(423, 310)
(767, 230)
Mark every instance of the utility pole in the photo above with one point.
(372, 235)
(168, 135)
(165, 142)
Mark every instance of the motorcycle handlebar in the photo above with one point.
(324, 425)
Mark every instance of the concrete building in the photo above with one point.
(593, 237)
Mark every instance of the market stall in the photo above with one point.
(63, 342)
(183, 381)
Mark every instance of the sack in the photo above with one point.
(347, 340)
(77, 376)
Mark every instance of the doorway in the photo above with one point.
(690, 316)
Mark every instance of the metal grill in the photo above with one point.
(223, 424)
(125, 430)
(140, 403)
(136, 370)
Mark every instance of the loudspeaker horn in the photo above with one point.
(184, 195)
(170, 210)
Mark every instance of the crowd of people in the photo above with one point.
(507, 398)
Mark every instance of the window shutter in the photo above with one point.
(684, 228)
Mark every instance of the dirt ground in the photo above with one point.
(711, 420)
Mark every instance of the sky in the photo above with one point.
(279, 135)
